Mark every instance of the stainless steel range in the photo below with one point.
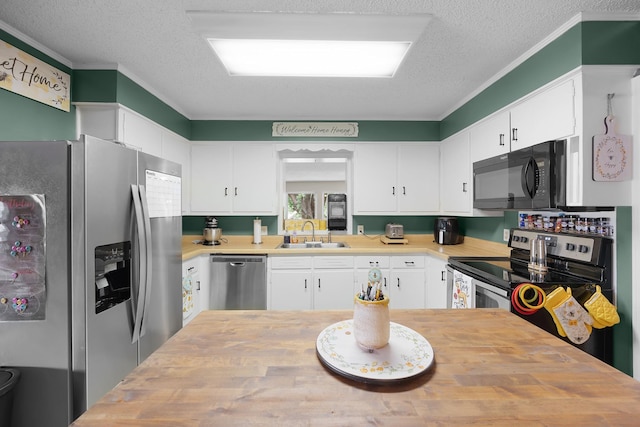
(581, 262)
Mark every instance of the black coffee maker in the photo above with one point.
(446, 231)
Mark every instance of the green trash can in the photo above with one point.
(8, 380)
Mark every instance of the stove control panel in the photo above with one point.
(570, 246)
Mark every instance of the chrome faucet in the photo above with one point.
(313, 230)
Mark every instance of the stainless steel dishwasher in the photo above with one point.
(238, 282)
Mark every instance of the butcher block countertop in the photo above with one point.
(260, 368)
(417, 244)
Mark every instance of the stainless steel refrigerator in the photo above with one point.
(90, 269)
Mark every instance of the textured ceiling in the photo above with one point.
(465, 45)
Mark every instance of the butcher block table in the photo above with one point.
(261, 368)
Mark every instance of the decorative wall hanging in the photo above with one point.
(25, 75)
(315, 129)
(612, 153)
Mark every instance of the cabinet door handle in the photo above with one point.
(442, 276)
(385, 282)
(226, 191)
(393, 191)
(501, 139)
(305, 283)
(409, 263)
(398, 282)
(464, 187)
(404, 191)
(514, 134)
(235, 190)
(198, 285)
(318, 283)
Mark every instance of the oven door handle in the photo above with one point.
(491, 288)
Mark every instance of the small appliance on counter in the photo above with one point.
(394, 234)
(337, 212)
(211, 233)
(446, 231)
(394, 231)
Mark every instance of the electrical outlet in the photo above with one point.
(505, 234)
(361, 229)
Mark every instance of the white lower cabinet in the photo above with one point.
(436, 290)
(195, 287)
(311, 282)
(407, 281)
(290, 280)
(330, 282)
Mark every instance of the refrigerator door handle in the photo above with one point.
(138, 303)
(149, 257)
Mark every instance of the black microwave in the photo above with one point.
(530, 178)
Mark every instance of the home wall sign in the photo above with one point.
(25, 75)
(315, 129)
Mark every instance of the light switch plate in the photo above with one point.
(505, 234)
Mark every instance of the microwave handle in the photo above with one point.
(528, 178)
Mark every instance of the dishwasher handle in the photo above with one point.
(237, 264)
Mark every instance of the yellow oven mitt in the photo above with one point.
(604, 313)
(574, 319)
(554, 299)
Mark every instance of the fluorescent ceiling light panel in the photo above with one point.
(310, 58)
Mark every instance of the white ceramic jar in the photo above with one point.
(371, 323)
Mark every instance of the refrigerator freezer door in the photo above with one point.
(163, 311)
(101, 215)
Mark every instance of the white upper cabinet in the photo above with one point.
(418, 178)
(545, 116)
(549, 115)
(490, 137)
(113, 122)
(233, 178)
(178, 149)
(455, 179)
(141, 133)
(392, 178)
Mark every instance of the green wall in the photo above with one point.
(260, 130)
(23, 119)
(113, 86)
(623, 332)
(231, 225)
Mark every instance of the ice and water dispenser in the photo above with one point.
(113, 275)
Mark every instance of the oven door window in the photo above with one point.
(488, 296)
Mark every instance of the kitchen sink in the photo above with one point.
(312, 245)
